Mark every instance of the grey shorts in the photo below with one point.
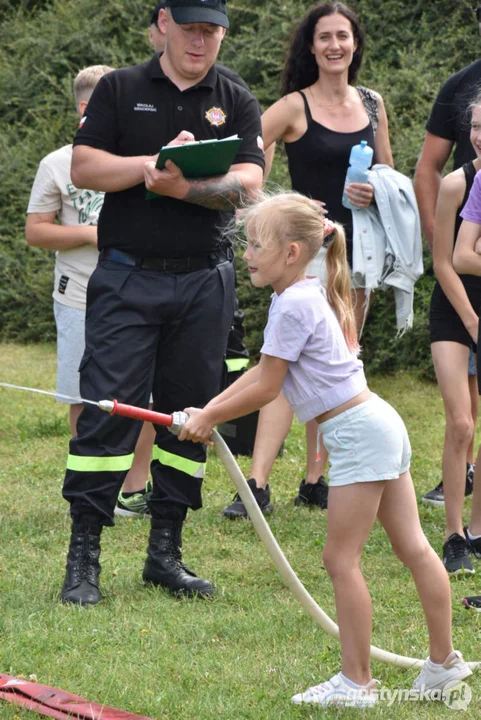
(366, 443)
(70, 348)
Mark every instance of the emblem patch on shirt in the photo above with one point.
(216, 116)
(62, 284)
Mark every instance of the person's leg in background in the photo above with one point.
(70, 324)
(275, 420)
(450, 362)
(436, 495)
(73, 416)
(473, 391)
(132, 500)
(273, 426)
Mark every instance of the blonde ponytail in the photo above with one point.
(290, 217)
(338, 288)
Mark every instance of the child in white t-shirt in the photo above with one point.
(310, 354)
(74, 238)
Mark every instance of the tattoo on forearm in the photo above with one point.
(220, 193)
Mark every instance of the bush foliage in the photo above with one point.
(411, 48)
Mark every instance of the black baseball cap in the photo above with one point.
(199, 11)
(155, 13)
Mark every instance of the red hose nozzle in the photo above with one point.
(174, 422)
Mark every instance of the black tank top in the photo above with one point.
(318, 163)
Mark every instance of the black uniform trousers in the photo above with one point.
(147, 329)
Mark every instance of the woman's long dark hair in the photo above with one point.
(301, 69)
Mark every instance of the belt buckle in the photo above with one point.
(175, 265)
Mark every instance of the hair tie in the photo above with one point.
(329, 227)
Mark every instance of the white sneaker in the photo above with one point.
(337, 692)
(436, 677)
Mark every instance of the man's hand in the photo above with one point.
(198, 427)
(182, 138)
(170, 181)
(360, 194)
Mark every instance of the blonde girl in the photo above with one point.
(310, 353)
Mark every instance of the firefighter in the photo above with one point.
(161, 300)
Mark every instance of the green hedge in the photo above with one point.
(411, 48)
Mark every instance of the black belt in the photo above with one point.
(168, 265)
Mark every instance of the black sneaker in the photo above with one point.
(263, 498)
(313, 493)
(456, 555)
(474, 546)
(436, 496)
(472, 603)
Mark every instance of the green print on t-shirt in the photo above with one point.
(87, 202)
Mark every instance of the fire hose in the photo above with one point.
(174, 423)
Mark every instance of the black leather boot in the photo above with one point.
(81, 585)
(164, 564)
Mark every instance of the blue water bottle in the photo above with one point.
(359, 163)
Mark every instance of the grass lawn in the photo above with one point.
(239, 656)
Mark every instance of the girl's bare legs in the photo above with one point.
(275, 420)
(398, 513)
(450, 363)
(352, 513)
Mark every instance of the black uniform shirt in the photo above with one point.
(451, 117)
(135, 111)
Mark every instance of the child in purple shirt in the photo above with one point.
(310, 353)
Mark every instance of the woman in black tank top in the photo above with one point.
(321, 116)
(453, 326)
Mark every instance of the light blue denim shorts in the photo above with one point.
(366, 443)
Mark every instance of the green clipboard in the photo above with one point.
(204, 158)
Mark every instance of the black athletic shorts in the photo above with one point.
(445, 325)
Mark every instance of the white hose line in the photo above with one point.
(287, 573)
